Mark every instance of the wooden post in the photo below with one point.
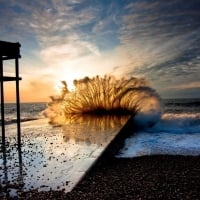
(2, 103)
(10, 51)
(18, 103)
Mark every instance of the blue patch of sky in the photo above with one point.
(29, 44)
(106, 38)
(2, 6)
(18, 9)
(108, 44)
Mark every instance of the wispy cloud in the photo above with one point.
(162, 41)
(160, 32)
(156, 39)
(48, 22)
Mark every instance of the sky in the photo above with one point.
(70, 39)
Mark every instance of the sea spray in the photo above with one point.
(106, 96)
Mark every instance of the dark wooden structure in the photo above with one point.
(10, 51)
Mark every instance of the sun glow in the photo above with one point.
(68, 74)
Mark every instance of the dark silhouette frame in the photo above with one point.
(9, 51)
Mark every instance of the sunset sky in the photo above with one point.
(68, 39)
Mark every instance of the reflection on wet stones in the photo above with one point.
(93, 129)
(55, 158)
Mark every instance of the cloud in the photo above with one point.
(37, 85)
(155, 39)
(49, 22)
(161, 39)
(160, 32)
(55, 26)
(191, 85)
(58, 53)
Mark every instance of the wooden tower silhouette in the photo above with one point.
(10, 51)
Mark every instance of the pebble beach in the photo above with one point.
(145, 177)
(148, 177)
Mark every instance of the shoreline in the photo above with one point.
(147, 177)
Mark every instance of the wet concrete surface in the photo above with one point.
(54, 158)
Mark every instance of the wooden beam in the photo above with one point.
(8, 78)
(10, 57)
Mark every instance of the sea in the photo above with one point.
(176, 133)
(28, 111)
(57, 157)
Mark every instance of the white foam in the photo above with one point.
(174, 134)
(149, 112)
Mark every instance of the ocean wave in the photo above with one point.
(178, 123)
(181, 105)
(28, 112)
(182, 102)
(174, 134)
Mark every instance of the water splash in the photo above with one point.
(103, 95)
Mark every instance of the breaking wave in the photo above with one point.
(105, 96)
(174, 134)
